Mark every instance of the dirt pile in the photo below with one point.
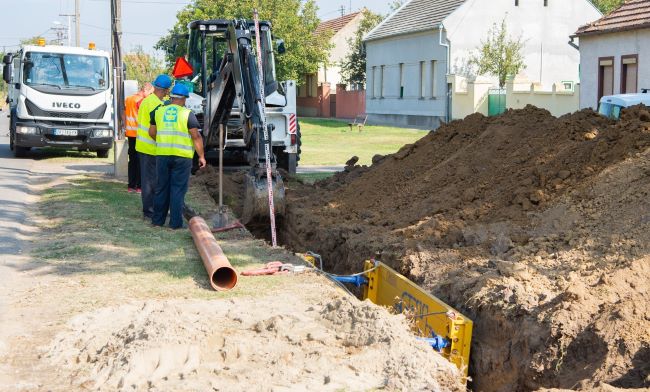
(281, 342)
(537, 227)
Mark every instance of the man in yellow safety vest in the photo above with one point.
(176, 131)
(146, 146)
(130, 121)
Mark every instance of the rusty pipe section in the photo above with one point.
(222, 276)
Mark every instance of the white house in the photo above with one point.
(615, 53)
(411, 53)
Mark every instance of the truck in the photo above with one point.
(59, 96)
(227, 93)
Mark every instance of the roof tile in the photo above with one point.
(336, 24)
(632, 15)
(414, 16)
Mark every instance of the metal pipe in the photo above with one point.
(222, 276)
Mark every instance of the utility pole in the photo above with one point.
(342, 10)
(69, 27)
(77, 21)
(118, 70)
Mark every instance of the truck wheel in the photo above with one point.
(102, 153)
(20, 152)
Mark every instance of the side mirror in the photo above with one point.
(279, 44)
(6, 73)
(7, 58)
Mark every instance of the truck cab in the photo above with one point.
(610, 106)
(59, 96)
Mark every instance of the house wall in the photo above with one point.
(614, 45)
(545, 31)
(332, 72)
(417, 109)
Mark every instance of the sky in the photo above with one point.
(144, 21)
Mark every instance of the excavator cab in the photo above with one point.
(225, 75)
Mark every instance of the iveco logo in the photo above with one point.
(66, 105)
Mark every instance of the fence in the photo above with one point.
(340, 103)
(473, 96)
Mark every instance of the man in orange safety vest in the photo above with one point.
(131, 106)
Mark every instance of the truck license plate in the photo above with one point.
(65, 132)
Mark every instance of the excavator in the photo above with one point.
(229, 95)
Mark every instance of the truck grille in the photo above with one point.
(34, 110)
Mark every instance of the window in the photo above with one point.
(545, 3)
(433, 79)
(605, 76)
(629, 73)
(401, 80)
(373, 78)
(423, 79)
(310, 85)
(516, 3)
(381, 82)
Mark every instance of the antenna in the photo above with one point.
(342, 10)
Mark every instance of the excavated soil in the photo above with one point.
(282, 342)
(536, 227)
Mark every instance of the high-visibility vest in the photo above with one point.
(131, 114)
(144, 143)
(172, 135)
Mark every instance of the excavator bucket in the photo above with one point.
(256, 198)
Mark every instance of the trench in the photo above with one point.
(514, 348)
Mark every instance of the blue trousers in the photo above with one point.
(148, 181)
(171, 186)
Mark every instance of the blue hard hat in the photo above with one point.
(162, 81)
(180, 90)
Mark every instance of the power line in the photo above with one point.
(125, 32)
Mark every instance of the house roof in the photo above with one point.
(336, 24)
(414, 16)
(632, 15)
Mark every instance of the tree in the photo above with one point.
(499, 55)
(353, 66)
(141, 66)
(395, 4)
(294, 21)
(30, 41)
(607, 6)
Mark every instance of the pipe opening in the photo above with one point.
(224, 278)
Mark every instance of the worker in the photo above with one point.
(146, 146)
(130, 119)
(176, 131)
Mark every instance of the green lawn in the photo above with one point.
(330, 142)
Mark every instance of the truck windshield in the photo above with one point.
(65, 71)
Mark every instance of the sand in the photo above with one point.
(282, 342)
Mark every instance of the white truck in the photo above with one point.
(59, 96)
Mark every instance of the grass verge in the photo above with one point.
(330, 142)
(92, 230)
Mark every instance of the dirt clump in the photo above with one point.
(537, 227)
(279, 342)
